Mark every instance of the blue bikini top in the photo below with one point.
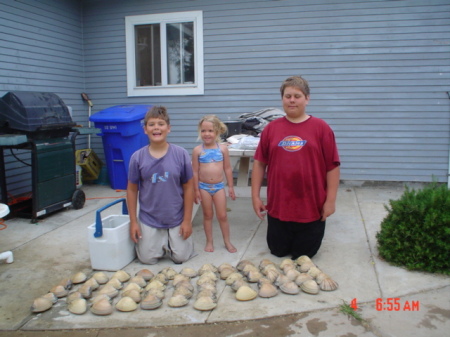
(210, 155)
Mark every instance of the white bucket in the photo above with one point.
(113, 249)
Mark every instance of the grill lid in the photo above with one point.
(33, 112)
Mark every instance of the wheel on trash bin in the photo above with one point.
(78, 199)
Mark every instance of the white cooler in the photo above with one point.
(110, 245)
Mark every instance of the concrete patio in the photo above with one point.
(57, 247)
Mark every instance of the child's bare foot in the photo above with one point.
(230, 248)
(209, 248)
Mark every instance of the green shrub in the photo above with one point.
(416, 232)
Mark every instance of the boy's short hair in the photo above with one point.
(157, 112)
(296, 82)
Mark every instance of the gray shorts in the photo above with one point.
(159, 242)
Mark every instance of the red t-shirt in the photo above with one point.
(298, 157)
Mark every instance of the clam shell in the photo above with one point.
(248, 268)
(328, 284)
(157, 292)
(185, 284)
(79, 277)
(126, 304)
(183, 291)
(272, 275)
(254, 276)
(177, 301)
(51, 296)
(59, 291)
(93, 283)
(264, 263)
(207, 267)
(121, 275)
(115, 282)
(100, 277)
(189, 272)
(241, 265)
(161, 278)
(322, 276)
(155, 284)
(146, 274)
(169, 272)
(41, 304)
(314, 272)
(267, 290)
(85, 290)
(150, 302)
(66, 283)
(73, 296)
(100, 297)
(207, 293)
(133, 293)
(302, 278)
(281, 279)
(310, 287)
(292, 274)
(132, 285)
(224, 265)
(206, 279)
(238, 284)
(302, 259)
(204, 303)
(245, 293)
(78, 306)
(225, 272)
(139, 280)
(290, 288)
(109, 290)
(210, 275)
(233, 277)
(180, 278)
(102, 307)
(264, 280)
(286, 262)
(306, 266)
(208, 286)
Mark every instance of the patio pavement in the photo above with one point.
(58, 246)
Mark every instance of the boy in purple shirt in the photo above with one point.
(160, 178)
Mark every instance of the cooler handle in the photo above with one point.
(98, 218)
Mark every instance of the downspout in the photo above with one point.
(448, 174)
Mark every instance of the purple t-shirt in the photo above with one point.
(160, 185)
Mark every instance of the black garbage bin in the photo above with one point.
(45, 122)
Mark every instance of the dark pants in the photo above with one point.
(294, 238)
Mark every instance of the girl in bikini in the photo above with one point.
(210, 161)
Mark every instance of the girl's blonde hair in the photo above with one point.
(219, 127)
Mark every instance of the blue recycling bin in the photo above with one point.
(122, 134)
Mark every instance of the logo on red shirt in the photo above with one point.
(292, 143)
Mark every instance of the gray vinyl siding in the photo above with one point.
(379, 73)
(40, 50)
(379, 70)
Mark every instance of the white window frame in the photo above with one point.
(165, 89)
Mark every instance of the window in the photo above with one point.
(165, 54)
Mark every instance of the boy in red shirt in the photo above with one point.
(302, 161)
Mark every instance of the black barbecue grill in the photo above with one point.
(40, 122)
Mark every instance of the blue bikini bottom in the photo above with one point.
(211, 188)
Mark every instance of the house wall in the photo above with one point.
(40, 50)
(378, 70)
(379, 73)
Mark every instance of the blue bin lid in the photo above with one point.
(121, 113)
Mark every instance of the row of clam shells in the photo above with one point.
(147, 290)
(290, 277)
